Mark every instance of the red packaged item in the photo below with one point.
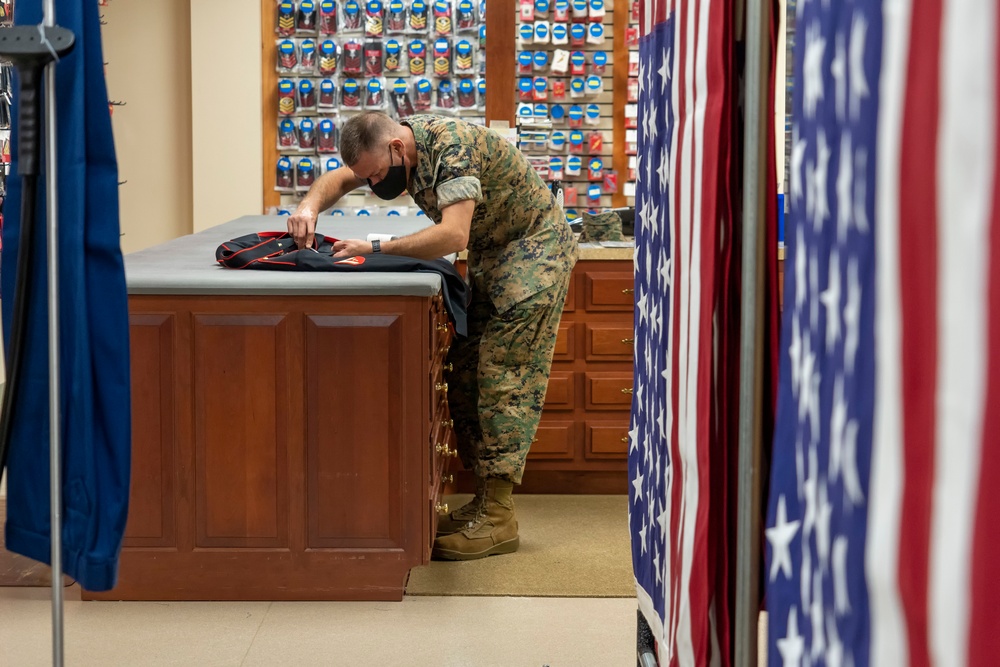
(418, 57)
(422, 99)
(287, 137)
(595, 169)
(286, 19)
(307, 94)
(373, 59)
(442, 57)
(305, 18)
(284, 176)
(374, 26)
(328, 58)
(635, 11)
(633, 90)
(288, 56)
(596, 141)
(632, 36)
(327, 18)
(352, 57)
(466, 16)
(307, 56)
(350, 94)
(527, 12)
(327, 136)
(610, 183)
(395, 20)
(305, 173)
(286, 97)
(569, 195)
(442, 17)
(307, 134)
(558, 89)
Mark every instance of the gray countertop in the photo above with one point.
(187, 264)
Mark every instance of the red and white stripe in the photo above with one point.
(932, 552)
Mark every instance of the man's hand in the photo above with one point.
(351, 247)
(302, 226)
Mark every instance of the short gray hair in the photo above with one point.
(364, 132)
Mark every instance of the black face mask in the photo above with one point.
(394, 182)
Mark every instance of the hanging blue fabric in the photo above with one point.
(94, 351)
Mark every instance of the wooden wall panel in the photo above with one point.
(241, 421)
(354, 395)
(151, 495)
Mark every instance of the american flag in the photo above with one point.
(882, 531)
(679, 511)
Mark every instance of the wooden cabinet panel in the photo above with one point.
(607, 440)
(565, 342)
(610, 341)
(609, 391)
(151, 495)
(560, 394)
(353, 431)
(609, 290)
(241, 415)
(554, 440)
(570, 304)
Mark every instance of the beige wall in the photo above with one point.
(226, 103)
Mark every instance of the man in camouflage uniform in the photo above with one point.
(482, 194)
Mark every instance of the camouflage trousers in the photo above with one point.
(500, 375)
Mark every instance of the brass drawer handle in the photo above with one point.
(628, 341)
(441, 386)
(453, 453)
(441, 508)
(628, 290)
(442, 327)
(448, 480)
(625, 439)
(448, 423)
(448, 367)
(443, 448)
(446, 349)
(627, 390)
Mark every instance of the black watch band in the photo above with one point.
(376, 246)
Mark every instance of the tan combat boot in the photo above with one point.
(492, 531)
(456, 520)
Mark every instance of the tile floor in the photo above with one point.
(433, 631)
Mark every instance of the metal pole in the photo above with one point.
(751, 330)
(55, 450)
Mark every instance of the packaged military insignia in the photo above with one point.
(307, 95)
(482, 36)
(595, 169)
(306, 172)
(326, 136)
(442, 18)
(577, 87)
(331, 164)
(442, 57)
(481, 89)
(401, 100)
(374, 25)
(560, 61)
(327, 18)
(307, 134)
(466, 94)
(417, 52)
(464, 65)
(542, 33)
(286, 19)
(599, 62)
(395, 18)
(610, 186)
(560, 11)
(373, 58)
(422, 95)
(596, 141)
(595, 33)
(593, 195)
(352, 57)
(307, 57)
(350, 94)
(540, 61)
(577, 64)
(418, 16)
(542, 9)
(592, 116)
(560, 34)
(575, 116)
(577, 34)
(524, 110)
(557, 141)
(576, 142)
(305, 18)
(446, 95)
(393, 57)
(327, 95)
(288, 139)
(328, 53)
(556, 168)
(284, 177)
(375, 94)
(594, 85)
(573, 166)
(559, 89)
(540, 87)
(580, 10)
(557, 112)
(526, 33)
(596, 13)
(352, 16)
(525, 89)
(288, 56)
(527, 11)
(525, 63)
(465, 16)
(286, 97)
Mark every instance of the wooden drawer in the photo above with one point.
(607, 440)
(610, 342)
(554, 440)
(565, 342)
(609, 391)
(560, 394)
(570, 304)
(609, 290)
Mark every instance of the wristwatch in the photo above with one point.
(376, 246)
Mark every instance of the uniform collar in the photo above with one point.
(424, 177)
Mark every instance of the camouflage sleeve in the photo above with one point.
(458, 175)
